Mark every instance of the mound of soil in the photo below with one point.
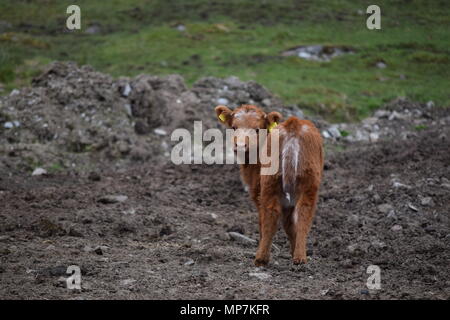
(155, 230)
(76, 117)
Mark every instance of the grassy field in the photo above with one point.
(243, 38)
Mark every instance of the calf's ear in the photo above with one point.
(224, 114)
(274, 118)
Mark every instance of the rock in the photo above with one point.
(260, 275)
(374, 136)
(385, 208)
(11, 124)
(214, 216)
(326, 134)
(241, 238)
(382, 113)
(397, 116)
(100, 250)
(392, 215)
(352, 248)
(127, 282)
(53, 271)
(223, 101)
(112, 199)
(334, 131)
(160, 132)
(396, 227)
(94, 29)
(427, 201)
(378, 244)
(127, 108)
(181, 27)
(397, 184)
(190, 262)
(430, 104)
(266, 103)
(126, 90)
(364, 291)
(324, 292)
(39, 172)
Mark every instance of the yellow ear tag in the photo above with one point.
(272, 126)
(222, 117)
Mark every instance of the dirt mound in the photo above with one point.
(74, 117)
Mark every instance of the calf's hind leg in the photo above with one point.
(302, 218)
(289, 227)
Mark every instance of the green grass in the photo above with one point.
(244, 38)
(420, 127)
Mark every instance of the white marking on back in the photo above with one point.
(291, 151)
(291, 148)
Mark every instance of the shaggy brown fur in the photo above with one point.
(291, 194)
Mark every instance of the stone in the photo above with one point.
(382, 113)
(160, 132)
(127, 282)
(426, 201)
(39, 172)
(260, 275)
(385, 208)
(223, 101)
(241, 238)
(190, 262)
(112, 199)
(412, 207)
(126, 90)
(334, 131)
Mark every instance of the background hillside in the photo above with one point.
(408, 57)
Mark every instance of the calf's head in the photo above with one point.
(246, 121)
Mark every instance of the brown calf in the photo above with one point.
(290, 194)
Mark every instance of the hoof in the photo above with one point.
(298, 261)
(261, 262)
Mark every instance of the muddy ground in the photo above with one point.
(383, 202)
